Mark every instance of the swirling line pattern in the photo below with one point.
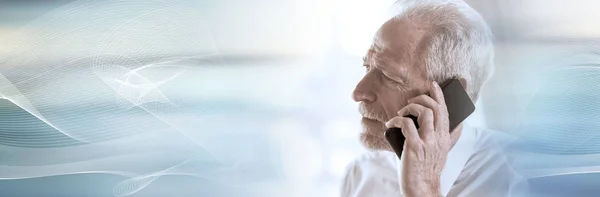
(94, 103)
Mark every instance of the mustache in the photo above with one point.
(370, 113)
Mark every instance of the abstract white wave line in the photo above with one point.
(151, 38)
(117, 72)
(120, 173)
(135, 184)
(539, 173)
(536, 165)
(185, 168)
(539, 160)
(9, 92)
(111, 165)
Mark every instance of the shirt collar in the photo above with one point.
(457, 158)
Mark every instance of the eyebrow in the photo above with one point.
(402, 76)
(369, 52)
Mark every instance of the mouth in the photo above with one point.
(371, 118)
(371, 122)
(370, 115)
(365, 119)
(372, 125)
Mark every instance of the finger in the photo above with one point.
(437, 94)
(440, 113)
(424, 100)
(406, 125)
(424, 117)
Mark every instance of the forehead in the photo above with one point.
(398, 37)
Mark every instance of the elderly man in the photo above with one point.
(428, 42)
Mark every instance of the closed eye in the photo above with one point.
(391, 78)
(388, 78)
(395, 80)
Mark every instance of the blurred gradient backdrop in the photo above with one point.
(252, 98)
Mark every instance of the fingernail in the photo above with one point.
(388, 124)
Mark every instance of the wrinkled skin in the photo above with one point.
(395, 85)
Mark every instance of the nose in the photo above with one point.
(364, 91)
(361, 96)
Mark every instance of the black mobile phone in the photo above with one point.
(459, 107)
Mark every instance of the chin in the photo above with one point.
(372, 137)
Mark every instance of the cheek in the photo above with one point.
(396, 99)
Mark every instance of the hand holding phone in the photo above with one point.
(459, 107)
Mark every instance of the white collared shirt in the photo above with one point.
(476, 167)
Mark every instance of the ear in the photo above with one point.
(463, 82)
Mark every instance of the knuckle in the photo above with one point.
(406, 121)
(415, 142)
(396, 120)
(428, 112)
(418, 98)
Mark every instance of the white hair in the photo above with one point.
(458, 42)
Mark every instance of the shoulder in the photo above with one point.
(489, 166)
(490, 147)
(371, 172)
(492, 139)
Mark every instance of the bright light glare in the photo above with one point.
(359, 20)
(300, 153)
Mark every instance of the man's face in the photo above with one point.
(393, 76)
